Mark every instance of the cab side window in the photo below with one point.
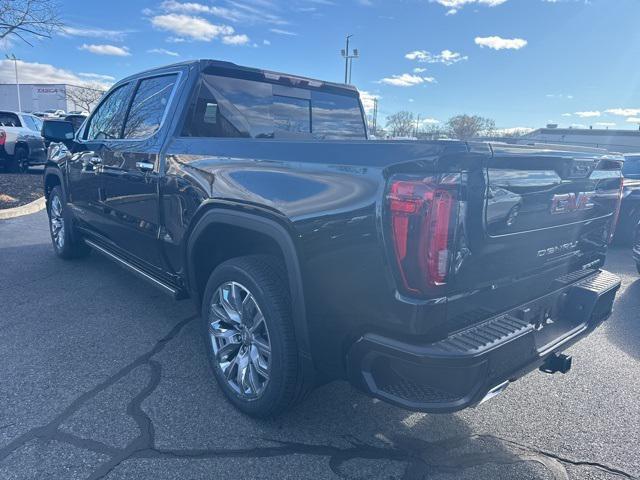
(108, 119)
(148, 107)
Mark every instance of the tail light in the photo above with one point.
(616, 215)
(422, 214)
(3, 137)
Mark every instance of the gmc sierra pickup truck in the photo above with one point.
(428, 274)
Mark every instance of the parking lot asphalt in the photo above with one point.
(102, 376)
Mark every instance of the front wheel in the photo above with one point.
(249, 335)
(65, 242)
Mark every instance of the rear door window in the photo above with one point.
(149, 105)
(108, 120)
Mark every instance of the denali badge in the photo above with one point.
(565, 247)
(572, 202)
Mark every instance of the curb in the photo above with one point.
(32, 207)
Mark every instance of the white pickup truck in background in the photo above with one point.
(21, 144)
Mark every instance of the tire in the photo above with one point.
(20, 161)
(271, 383)
(66, 242)
(638, 266)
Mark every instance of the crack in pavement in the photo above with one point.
(51, 429)
(422, 458)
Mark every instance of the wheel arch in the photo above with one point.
(51, 178)
(263, 225)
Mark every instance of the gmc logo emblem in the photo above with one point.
(572, 202)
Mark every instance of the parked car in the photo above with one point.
(317, 255)
(76, 120)
(630, 210)
(20, 142)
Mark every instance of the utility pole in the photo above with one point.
(15, 63)
(348, 57)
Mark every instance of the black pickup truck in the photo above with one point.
(428, 274)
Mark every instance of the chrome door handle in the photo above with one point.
(144, 166)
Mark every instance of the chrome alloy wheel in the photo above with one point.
(240, 340)
(57, 222)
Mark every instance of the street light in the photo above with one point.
(348, 57)
(15, 63)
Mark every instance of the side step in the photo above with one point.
(174, 292)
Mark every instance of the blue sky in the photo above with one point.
(522, 62)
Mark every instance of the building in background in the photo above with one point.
(49, 96)
(621, 141)
(34, 97)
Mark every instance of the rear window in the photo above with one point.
(239, 108)
(8, 119)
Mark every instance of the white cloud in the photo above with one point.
(195, 28)
(33, 72)
(624, 112)
(97, 76)
(428, 121)
(455, 5)
(279, 31)
(367, 100)
(577, 125)
(513, 131)
(164, 51)
(498, 43)
(633, 120)
(445, 56)
(606, 124)
(235, 39)
(92, 32)
(266, 42)
(106, 50)
(237, 13)
(406, 80)
(419, 70)
(589, 114)
(567, 114)
(559, 95)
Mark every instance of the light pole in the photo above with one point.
(348, 57)
(15, 64)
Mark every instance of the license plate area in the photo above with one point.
(588, 302)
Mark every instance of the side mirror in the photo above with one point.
(58, 130)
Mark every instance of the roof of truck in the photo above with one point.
(203, 64)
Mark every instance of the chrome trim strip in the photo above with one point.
(133, 268)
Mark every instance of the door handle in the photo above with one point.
(91, 164)
(144, 166)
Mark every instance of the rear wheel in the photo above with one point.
(249, 335)
(66, 243)
(20, 161)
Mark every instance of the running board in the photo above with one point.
(168, 289)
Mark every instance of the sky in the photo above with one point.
(523, 63)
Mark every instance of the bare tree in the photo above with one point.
(401, 124)
(465, 127)
(27, 19)
(85, 97)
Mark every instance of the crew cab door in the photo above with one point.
(94, 145)
(129, 174)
